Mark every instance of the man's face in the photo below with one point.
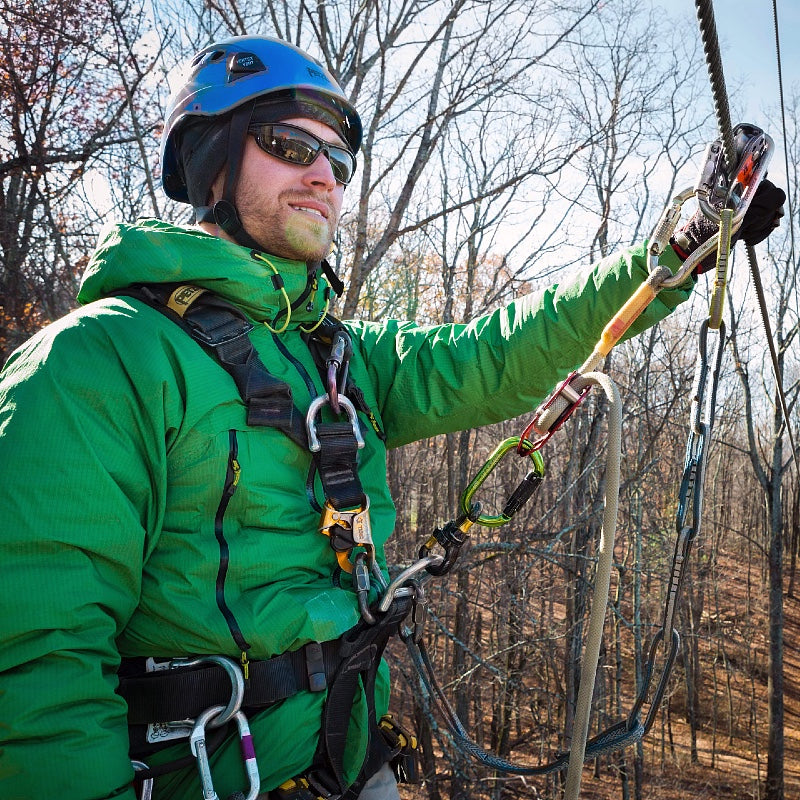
(291, 210)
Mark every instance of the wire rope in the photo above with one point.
(708, 33)
(785, 137)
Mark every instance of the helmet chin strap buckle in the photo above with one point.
(226, 216)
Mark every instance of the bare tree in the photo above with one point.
(770, 463)
(62, 110)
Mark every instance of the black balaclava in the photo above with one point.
(207, 145)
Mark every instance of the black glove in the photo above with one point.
(762, 217)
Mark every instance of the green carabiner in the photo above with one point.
(520, 495)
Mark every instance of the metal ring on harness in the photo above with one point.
(316, 404)
(234, 672)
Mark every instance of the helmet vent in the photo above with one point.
(242, 64)
(207, 57)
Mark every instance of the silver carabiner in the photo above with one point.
(396, 587)
(197, 743)
(311, 425)
(147, 783)
(233, 671)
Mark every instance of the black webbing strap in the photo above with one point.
(337, 464)
(337, 459)
(360, 652)
(222, 330)
(183, 693)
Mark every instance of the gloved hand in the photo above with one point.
(763, 216)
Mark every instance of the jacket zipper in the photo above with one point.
(232, 475)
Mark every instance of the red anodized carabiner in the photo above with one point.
(570, 396)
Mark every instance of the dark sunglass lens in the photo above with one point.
(300, 147)
(342, 165)
(292, 146)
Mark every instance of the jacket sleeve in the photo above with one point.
(432, 380)
(78, 498)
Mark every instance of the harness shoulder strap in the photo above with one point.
(222, 329)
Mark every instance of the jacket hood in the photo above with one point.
(152, 251)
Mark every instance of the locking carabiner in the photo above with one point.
(520, 495)
(197, 743)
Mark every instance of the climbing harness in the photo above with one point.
(199, 698)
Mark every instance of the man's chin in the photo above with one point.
(308, 248)
(298, 242)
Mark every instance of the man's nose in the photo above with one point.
(320, 172)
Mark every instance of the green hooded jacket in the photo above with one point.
(116, 431)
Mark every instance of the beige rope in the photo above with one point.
(602, 581)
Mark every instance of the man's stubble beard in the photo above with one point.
(283, 235)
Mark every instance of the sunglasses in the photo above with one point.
(297, 146)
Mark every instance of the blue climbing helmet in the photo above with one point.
(221, 91)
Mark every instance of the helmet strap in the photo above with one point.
(223, 213)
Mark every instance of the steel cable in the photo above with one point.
(785, 137)
(708, 33)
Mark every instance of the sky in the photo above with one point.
(746, 31)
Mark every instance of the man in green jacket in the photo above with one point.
(174, 450)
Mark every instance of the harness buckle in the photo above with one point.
(311, 425)
(210, 718)
(403, 745)
(297, 789)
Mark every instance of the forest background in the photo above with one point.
(508, 143)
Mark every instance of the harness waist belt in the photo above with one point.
(183, 693)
